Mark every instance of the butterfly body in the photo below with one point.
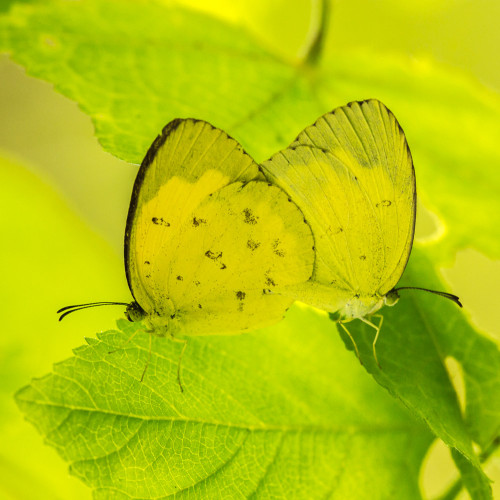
(359, 307)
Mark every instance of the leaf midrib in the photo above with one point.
(313, 428)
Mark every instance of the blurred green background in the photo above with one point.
(63, 194)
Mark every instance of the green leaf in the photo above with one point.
(418, 335)
(155, 63)
(476, 483)
(43, 242)
(275, 413)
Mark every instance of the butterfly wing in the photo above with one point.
(250, 239)
(201, 237)
(187, 162)
(352, 175)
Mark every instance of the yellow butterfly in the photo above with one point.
(206, 234)
(351, 173)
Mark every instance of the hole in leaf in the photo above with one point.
(438, 471)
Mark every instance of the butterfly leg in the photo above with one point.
(352, 340)
(127, 341)
(149, 359)
(182, 341)
(377, 329)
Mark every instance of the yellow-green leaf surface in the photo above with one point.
(43, 243)
(304, 422)
(156, 62)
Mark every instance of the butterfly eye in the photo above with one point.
(135, 312)
(391, 298)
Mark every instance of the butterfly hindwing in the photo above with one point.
(241, 242)
(351, 173)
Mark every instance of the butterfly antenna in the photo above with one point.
(78, 307)
(450, 296)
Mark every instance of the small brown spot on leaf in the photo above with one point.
(240, 295)
(197, 283)
(180, 278)
(362, 257)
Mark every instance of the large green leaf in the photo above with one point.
(154, 63)
(284, 412)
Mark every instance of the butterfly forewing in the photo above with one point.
(187, 162)
(204, 241)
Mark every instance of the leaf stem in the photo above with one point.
(313, 45)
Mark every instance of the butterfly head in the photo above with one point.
(391, 298)
(135, 312)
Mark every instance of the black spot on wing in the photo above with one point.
(213, 255)
(253, 245)
(269, 281)
(159, 221)
(240, 296)
(197, 222)
(276, 250)
(249, 217)
(384, 203)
